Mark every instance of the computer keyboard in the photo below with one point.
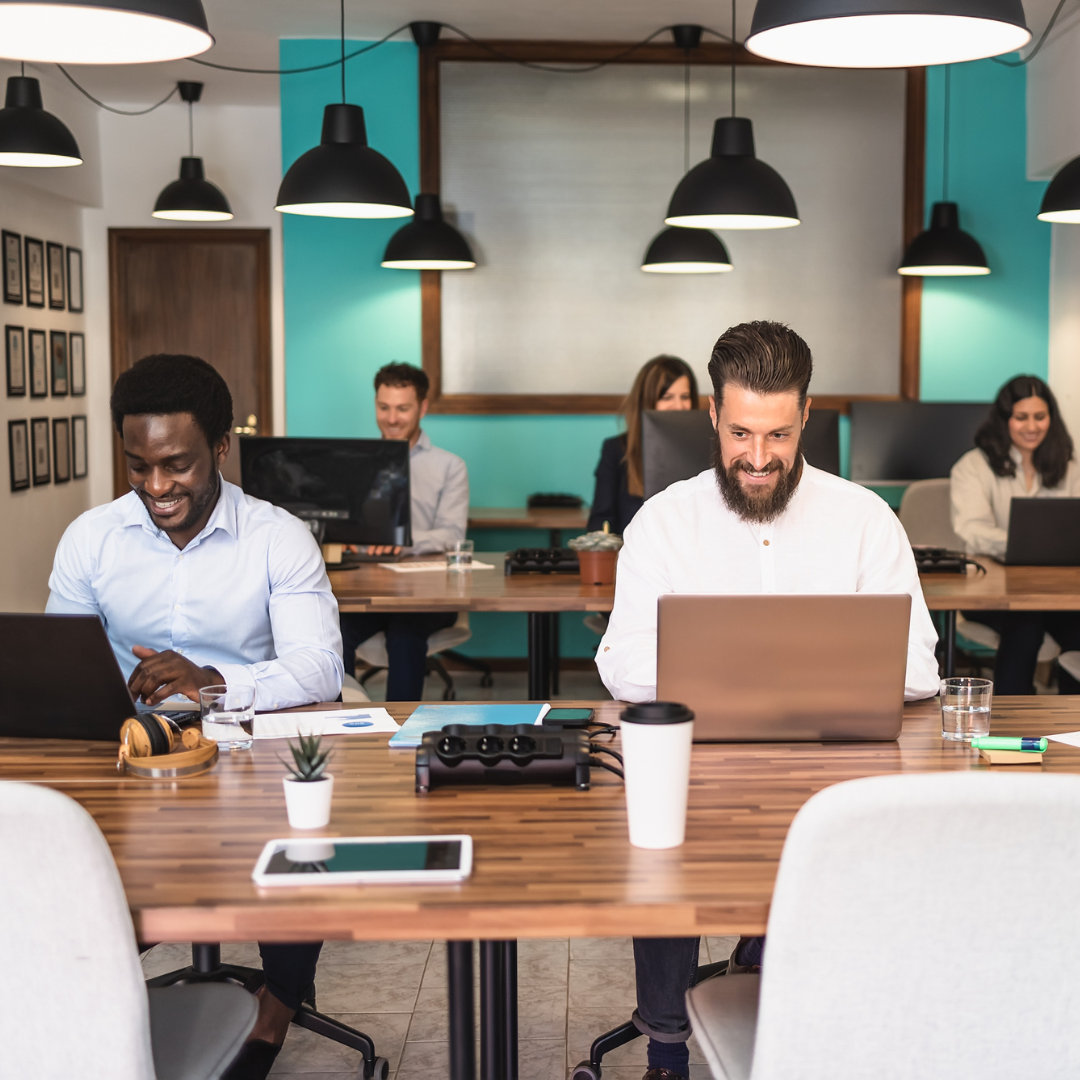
(360, 558)
(553, 500)
(939, 560)
(541, 561)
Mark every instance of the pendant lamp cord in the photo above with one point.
(191, 128)
(732, 57)
(342, 52)
(945, 139)
(686, 115)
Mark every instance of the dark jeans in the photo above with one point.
(664, 969)
(407, 634)
(290, 970)
(1021, 636)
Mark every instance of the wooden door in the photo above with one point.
(205, 292)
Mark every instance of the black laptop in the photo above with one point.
(59, 679)
(1043, 532)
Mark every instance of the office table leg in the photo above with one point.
(950, 643)
(459, 981)
(498, 1010)
(540, 654)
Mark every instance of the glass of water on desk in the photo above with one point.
(965, 708)
(227, 714)
(459, 557)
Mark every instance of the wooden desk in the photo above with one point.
(548, 861)
(554, 519)
(1001, 588)
(541, 596)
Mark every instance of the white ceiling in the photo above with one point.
(247, 34)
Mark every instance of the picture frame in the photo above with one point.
(18, 455)
(15, 352)
(74, 279)
(59, 362)
(13, 267)
(35, 272)
(77, 363)
(61, 441)
(78, 447)
(39, 364)
(39, 446)
(57, 289)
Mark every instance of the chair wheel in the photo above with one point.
(379, 1069)
(584, 1070)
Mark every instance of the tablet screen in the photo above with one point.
(359, 856)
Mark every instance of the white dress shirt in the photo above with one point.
(833, 537)
(248, 596)
(439, 494)
(980, 499)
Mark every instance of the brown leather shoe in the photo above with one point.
(662, 1074)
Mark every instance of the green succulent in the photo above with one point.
(309, 758)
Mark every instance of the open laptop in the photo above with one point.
(59, 679)
(768, 668)
(1043, 532)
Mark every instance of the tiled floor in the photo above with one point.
(569, 992)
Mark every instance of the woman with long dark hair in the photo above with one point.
(665, 382)
(1022, 450)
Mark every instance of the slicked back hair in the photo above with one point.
(398, 374)
(163, 384)
(762, 357)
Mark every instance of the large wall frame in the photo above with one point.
(592, 52)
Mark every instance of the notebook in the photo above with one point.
(769, 668)
(435, 717)
(59, 679)
(1043, 532)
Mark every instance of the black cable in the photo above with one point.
(598, 764)
(343, 99)
(109, 108)
(606, 750)
(1038, 44)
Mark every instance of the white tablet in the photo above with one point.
(364, 860)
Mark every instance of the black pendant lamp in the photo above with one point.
(428, 242)
(1061, 202)
(732, 189)
(102, 31)
(686, 251)
(342, 176)
(944, 249)
(192, 197)
(29, 136)
(885, 33)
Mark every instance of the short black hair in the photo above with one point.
(398, 374)
(162, 384)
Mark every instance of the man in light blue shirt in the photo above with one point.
(197, 584)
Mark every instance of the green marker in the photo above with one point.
(1004, 742)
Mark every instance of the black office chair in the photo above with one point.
(206, 966)
(624, 1033)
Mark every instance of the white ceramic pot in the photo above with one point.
(308, 802)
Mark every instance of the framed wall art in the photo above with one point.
(74, 279)
(39, 446)
(77, 364)
(58, 353)
(78, 447)
(39, 364)
(15, 351)
(13, 279)
(18, 455)
(35, 273)
(57, 291)
(61, 441)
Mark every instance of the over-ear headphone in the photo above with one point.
(150, 745)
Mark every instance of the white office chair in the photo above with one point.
(373, 653)
(926, 514)
(72, 994)
(896, 944)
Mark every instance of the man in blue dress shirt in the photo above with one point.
(198, 584)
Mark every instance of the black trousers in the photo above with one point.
(407, 635)
(290, 970)
(1021, 636)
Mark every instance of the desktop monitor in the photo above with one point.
(349, 491)
(676, 445)
(899, 441)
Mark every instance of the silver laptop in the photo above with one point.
(768, 668)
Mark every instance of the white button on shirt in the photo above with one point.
(833, 537)
(248, 596)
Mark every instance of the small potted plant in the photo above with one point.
(597, 554)
(308, 787)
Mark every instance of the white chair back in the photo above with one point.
(926, 514)
(72, 994)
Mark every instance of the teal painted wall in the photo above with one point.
(978, 332)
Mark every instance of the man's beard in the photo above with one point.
(754, 505)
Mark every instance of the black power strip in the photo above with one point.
(502, 754)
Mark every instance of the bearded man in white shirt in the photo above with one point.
(761, 521)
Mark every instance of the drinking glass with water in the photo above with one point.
(965, 708)
(227, 714)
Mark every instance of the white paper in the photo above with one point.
(416, 567)
(361, 721)
(1070, 738)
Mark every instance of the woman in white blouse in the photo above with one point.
(1023, 449)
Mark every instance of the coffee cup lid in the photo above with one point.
(656, 712)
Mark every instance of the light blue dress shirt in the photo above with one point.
(248, 596)
(439, 497)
